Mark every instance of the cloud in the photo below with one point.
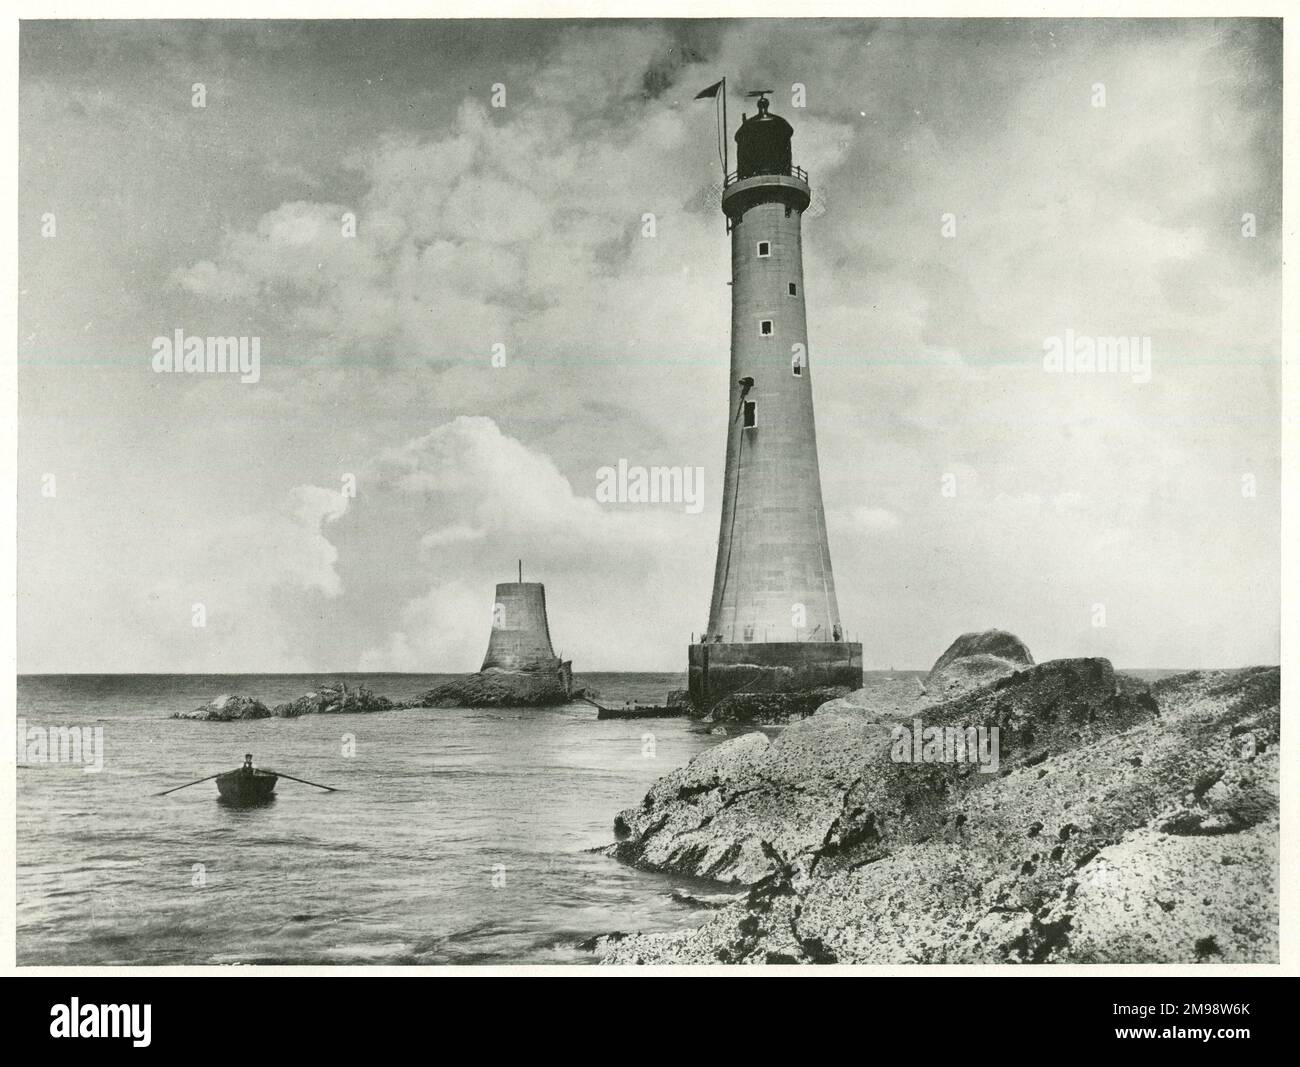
(462, 502)
(875, 520)
(247, 577)
(520, 230)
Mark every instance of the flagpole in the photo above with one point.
(726, 155)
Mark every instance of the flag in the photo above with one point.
(718, 93)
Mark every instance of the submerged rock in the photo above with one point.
(975, 659)
(227, 708)
(1123, 826)
(496, 688)
(334, 699)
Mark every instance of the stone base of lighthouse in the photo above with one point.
(770, 681)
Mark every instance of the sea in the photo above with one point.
(456, 836)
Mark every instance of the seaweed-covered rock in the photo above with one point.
(334, 699)
(769, 709)
(227, 708)
(496, 688)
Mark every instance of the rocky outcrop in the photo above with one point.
(831, 778)
(334, 699)
(976, 659)
(1122, 825)
(227, 708)
(499, 689)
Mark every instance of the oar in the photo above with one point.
(328, 788)
(188, 784)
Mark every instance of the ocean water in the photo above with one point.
(458, 835)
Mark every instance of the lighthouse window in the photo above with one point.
(794, 289)
(765, 327)
(749, 414)
(764, 249)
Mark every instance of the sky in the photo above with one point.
(440, 388)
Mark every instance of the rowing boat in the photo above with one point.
(246, 786)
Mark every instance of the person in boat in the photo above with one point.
(247, 768)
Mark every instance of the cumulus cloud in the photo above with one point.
(520, 230)
(462, 502)
(214, 589)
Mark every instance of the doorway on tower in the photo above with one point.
(749, 414)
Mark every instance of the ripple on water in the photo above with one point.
(458, 836)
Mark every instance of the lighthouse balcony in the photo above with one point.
(790, 172)
(741, 193)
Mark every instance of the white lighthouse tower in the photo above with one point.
(774, 622)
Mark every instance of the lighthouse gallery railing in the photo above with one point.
(793, 172)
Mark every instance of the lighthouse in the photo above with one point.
(774, 621)
(520, 668)
(519, 654)
(521, 635)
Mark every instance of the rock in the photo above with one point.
(882, 696)
(829, 782)
(600, 942)
(975, 659)
(227, 708)
(1129, 828)
(668, 832)
(997, 643)
(334, 699)
(497, 688)
(771, 709)
(703, 901)
(680, 698)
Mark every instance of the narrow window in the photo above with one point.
(764, 249)
(796, 365)
(794, 289)
(765, 327)
(749, 414)
(749, 633)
